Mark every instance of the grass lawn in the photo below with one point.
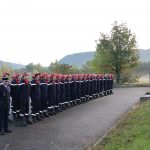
(131, 133)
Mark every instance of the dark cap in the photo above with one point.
(5, 76)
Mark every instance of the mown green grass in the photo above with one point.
(131, 133)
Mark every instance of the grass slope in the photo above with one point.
(131, 133)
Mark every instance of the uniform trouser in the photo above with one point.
(78, 95)
(53, 101)
(16, 105)
(67, 98)
(43, 104)
(57, 101)
(24, 107)
(3, 119)
(35, 103)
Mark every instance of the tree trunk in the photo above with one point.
(117, 76)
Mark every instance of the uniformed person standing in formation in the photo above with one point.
(35, 94)
(48, 94)
(44, 95)
(24, 93)
(15, 84)
(4, 104)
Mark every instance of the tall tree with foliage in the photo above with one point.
(4, 68)
(116, 52)
(87, 67)
(33, 68)
(61, 68)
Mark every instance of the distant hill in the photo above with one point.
(145, 55)
(78, 59)
(12, 65)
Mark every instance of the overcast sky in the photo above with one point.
(41, 31)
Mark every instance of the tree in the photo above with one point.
(33, 68)
(4, 68)
(54, 67)
(30, 67)
(59, 68)
(117, 52)
(74, 70)
(87, 68)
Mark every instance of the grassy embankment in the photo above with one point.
(131, 133)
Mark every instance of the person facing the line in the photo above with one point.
(4, 104)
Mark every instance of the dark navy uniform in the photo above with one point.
(58, 92)
(67, 92)
(52, 95)
(98, 85)
(44, 97)
(4, 107)
(91, 87)
(105, 85)
(24, 92)
(15, 96)
(94, 86)
(83, 89)
(87, 90)
(73, 90)
(111, 84)
(78, 90)
(62, 92)
(101, 85)
(35, 95)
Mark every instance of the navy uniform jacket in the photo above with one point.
(51, 93)
(62, 91)
(73, 89)
(35, 90)
(111, 83)
(78, 89)
(4, 98)
(98, 85)
(43, 88)
(14, 92)
(67, 90)
(101, 84)
(24, 91)
(58, 92)
(95, 86)
(87, 87)
(105, 83)
(91, 86)
(83, 88)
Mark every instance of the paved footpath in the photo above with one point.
(74, 128)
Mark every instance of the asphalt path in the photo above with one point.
(74, 128)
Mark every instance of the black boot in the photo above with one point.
(57, 109)
(64, 106)
(54, 111)
(2, 132)
(71, 103)
(18, 115)
(61, 107)
(45, 114)
(50, 111)
(23, 122)
(28, 120)
(74, 103)
(15, 117)
(38, 117)
(42, 115)
(34, 119)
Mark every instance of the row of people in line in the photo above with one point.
(52, 93)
